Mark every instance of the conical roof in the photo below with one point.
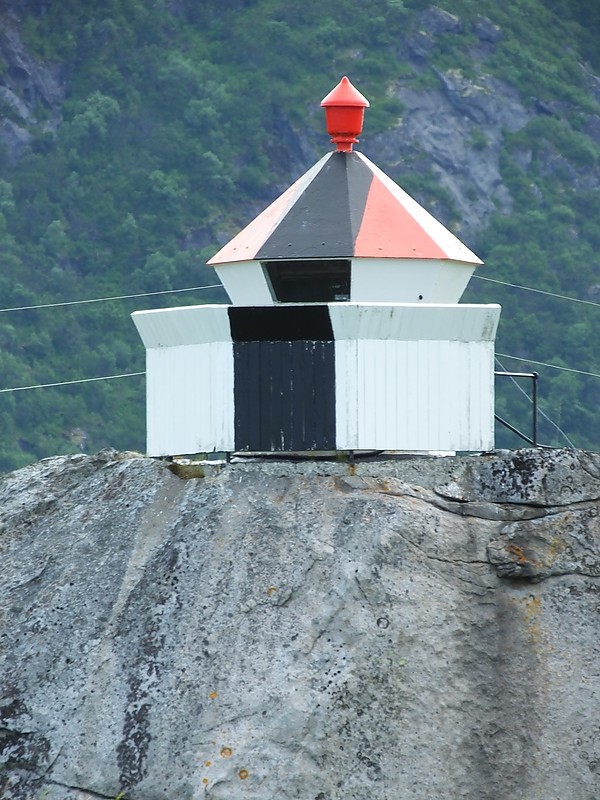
(344, 207)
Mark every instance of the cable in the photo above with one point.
(520, 388)
(538, 291)
(132, 374)
(553, 366)
(220, 286)
(106, 299)
(70, 383)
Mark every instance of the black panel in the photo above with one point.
(280, 324)
(318, 224)
(284, 396)
(360, 179)
(314, 281)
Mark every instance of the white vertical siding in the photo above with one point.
(407, 377)
(414, 395)
(190, 399)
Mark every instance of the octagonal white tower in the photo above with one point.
(344, 332)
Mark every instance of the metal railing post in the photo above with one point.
(535, 376)
(534, 411)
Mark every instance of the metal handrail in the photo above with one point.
(534, 410)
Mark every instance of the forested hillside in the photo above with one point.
(136, 137)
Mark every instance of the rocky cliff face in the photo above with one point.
(420, 628)
(456, 133)
(27, 86)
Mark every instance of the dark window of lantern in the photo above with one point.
(309, 281)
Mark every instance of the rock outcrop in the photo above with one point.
(417, 628)
(457, 134)
(27, 85)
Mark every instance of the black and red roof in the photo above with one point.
(344, 207)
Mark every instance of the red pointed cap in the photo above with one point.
(345, 94)
(344, 114)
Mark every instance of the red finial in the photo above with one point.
(344, 113)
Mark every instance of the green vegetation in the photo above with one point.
(175, 128)
(551, 243)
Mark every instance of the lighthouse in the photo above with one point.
(344, 332)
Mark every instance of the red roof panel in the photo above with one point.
(387, 230)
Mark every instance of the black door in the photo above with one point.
(284, 380)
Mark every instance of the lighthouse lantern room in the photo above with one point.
(344, 331)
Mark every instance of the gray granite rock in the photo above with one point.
(26, 84)
(486, 30)
(416, 628)
(439, 21)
